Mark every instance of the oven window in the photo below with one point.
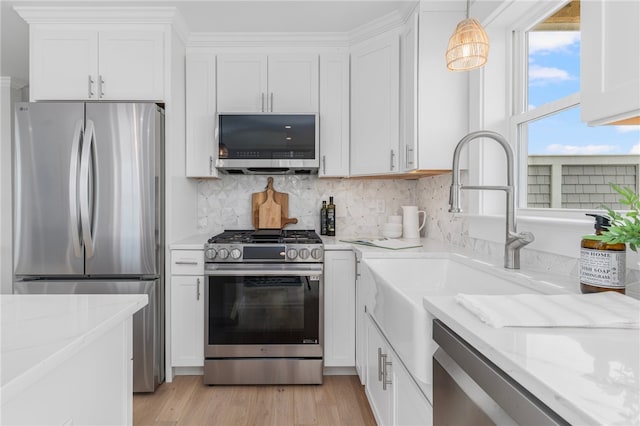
(261, 310)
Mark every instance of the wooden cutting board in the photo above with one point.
(259, 198)
(270, 213)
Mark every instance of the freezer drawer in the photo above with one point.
(148, 327)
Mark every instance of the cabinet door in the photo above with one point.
(411, 407)
(64, 64)
(375, 87)
(293, 83)
(339, 309)
(380, 399)
(409, 95)
(242, 83)
(610, 62)
(334, 115)
(201, 154)
(187, 321)
(131, 65)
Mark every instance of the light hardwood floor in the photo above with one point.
(186, 401)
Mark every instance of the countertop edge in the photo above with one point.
(19, 383)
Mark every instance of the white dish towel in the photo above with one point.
(607, 309)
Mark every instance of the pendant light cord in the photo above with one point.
(467, 9)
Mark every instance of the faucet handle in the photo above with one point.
(523, 238)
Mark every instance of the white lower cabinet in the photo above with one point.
(339, 308)
(394, 397)
(187, 321)
(187, 308)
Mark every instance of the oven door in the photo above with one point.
(263, 310)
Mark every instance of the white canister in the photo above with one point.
(411, 225)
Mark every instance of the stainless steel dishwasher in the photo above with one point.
(468, 389)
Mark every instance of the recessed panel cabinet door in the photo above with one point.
(64, 65)
(242, 83)
(293, 83)
(187, 321)
(375, 98)
(610, 62)
(131, 65)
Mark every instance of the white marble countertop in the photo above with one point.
(587, 376)
(192, 242)
(39, 332)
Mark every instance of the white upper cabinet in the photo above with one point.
(443, 96)
(201, 154)
(409, 95)
(610, 68)
(375, 93)
(267, 83)
(293, 83)
(334, 115)
(79, 63)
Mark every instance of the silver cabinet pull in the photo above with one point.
(198, 289)
(262, 102)
(407, 152)
(385, 380)
(91, 92)
(186, 262)
(324, 164)
(393, 154)
(211, 164)
(271, 96)
(101, 86)
(380, 364)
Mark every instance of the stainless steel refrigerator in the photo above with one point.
(89, 215)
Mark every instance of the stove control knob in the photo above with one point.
(292, 253)
(304, 253)
(316, 253)
(223, 253)
(211, 253)
(236, 254)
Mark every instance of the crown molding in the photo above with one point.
(267, 39)
(97, 15)
(378, 26)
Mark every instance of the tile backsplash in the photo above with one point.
(225, 203)
(362, 205)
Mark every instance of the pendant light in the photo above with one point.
(468, 46)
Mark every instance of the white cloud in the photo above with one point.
(551, 41)
(540, 76)
(559, 149)
(635, 149)
(628, 129)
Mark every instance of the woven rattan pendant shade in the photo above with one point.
(468, 46)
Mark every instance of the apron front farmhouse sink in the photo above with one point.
(399, 285)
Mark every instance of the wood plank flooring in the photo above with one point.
(186, 401)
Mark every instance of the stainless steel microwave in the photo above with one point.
(268, 143)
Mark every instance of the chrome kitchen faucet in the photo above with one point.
(514, 241)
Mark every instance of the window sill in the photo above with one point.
(556, 232)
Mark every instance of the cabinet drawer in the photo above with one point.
(187, 262)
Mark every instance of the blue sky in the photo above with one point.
(554, 72)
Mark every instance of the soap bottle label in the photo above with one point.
(602, 268)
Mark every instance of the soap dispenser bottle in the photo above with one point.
(602, 265)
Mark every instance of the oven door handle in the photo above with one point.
(247, 271)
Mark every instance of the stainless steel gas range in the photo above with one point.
(264, 307)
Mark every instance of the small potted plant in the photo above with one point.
(625, 228)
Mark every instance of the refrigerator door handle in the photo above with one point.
(88, 150)
(73, 189)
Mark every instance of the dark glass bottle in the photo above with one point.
(602, 265)
(323, 218)
(331, 218)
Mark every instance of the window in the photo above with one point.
(568, 164)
